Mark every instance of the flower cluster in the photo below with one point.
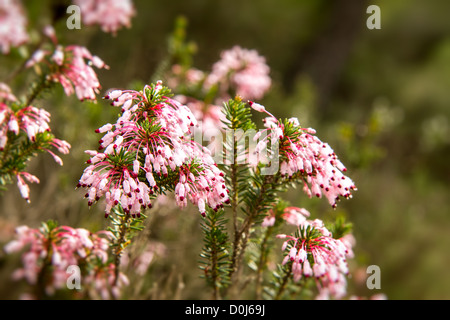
(188, 78)
(12, 25)
(292, 215)
(243, 70)
(149, 151)
(111, 15)
(59, 247)
(29, 121)
(304, 155)
(313, 252)
(69, 68)
(210, 121)
(239, 72)
(74, 74)
(101, 282)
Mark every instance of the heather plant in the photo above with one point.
(255, 244)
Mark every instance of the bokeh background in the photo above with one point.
(380, 98)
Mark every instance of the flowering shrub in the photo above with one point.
(153, 149)
(52, 249)
(148, 151)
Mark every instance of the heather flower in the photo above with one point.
(210, 122)
(59, 247)
(101, 282)
(149, 151)
(6, 93)
(292, 215)
(189, 78)
(13, 24)
(74, 74)
(30, 122)
(209, 116)
(111, 15)
(314, 253)
(241, 70)
(71, 66)
(23, 186)
(304, 157)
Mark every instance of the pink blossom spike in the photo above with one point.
(319, 255)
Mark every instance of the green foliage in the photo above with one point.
(179, 49)
(340, 227)
(124, 227)
(238, 115)
(155, 96)
(238, 123)
(215, 254)
(19, 151)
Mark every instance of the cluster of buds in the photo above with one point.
(313, 252)
(61, 247)
(304, 156)
(31, 122)
(110, 15)
(149, 151)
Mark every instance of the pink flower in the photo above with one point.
(292, 215)
(149, 151)
(74, 74)
(6, 94)
(304, 157)
(111, 15)
(189, 78)
(313, 252)
(70, 66)
(101, 283)
(23, 187)
(209, 118)
(242, 70)
(30, 122)
(295, 216)
(12, 25)
(62, 247)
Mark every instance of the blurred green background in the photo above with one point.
(380, 98)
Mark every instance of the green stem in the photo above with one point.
(9, 162)
(234, 203)
(42, 85)
(214, 275)
(43, 273)
(120, 245)
(242, 236)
